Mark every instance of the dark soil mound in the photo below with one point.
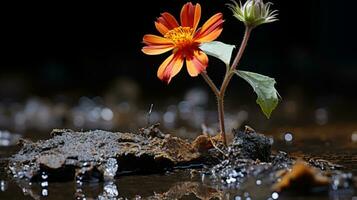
(100, 154)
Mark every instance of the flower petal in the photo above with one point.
(211, 29)
(210, 36)
(157, 49)
(165, 23)
(170, 67)
(190, 15)
(161, 28)
(197, 63)
(156, 40)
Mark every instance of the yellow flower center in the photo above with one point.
(181, 36)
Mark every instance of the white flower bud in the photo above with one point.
(253, 13)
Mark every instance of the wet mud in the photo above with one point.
(94, 156)
(250, 156)
(100, 155)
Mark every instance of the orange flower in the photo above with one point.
(184, 41)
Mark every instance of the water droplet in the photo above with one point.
(44, 184)
(169, 117)
(288, 137)
(238, 198)
(44, 192)
(3, 185)
(44, 176)
(110, 191)
(231, 180)
(107, 114)
(79, 182)
(342, 181)
(94, 114)
(275, 195)
(258, 182)
(271, 140)
(111, 168)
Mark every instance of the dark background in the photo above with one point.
(80, 49)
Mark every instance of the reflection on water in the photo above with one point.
(180, 184)
(110, 191)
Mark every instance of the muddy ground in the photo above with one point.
(101, 155)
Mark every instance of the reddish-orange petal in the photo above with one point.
(196, 63)
(156, 40)
(170, 67)
(211, 29)
(210, 36)
(161, 28)
(190, 15)
(165, 23)
(156, 49)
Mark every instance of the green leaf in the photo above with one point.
(263, 86)
(219, 50)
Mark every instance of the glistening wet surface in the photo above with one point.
(334, 142)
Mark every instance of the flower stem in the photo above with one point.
(220, 104)
(228, 76)
(243, 45)
(226, 80)
(210, 83)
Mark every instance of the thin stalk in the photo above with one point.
(228, 76)
(226, 80)
(220, 104)
(243, 45)
(210, 83)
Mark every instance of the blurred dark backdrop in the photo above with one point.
(81, 48)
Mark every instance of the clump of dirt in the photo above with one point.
(250, 156)
(250, 145)
(100, 154)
